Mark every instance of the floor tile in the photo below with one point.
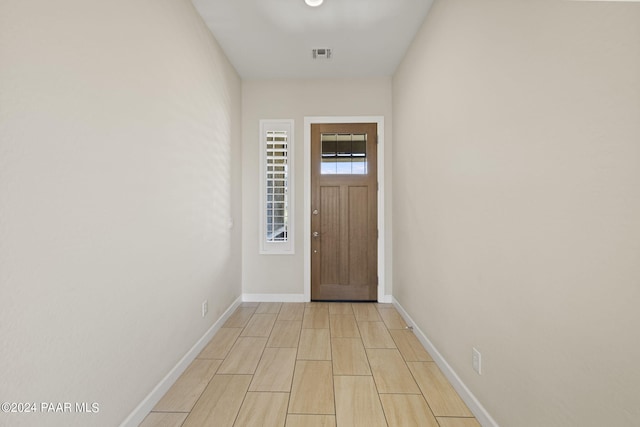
(244, 356)
(220, 402)
(317, 304)
(340, 308)
(312, 365)
(390, 371)
(220, 344)
(366, 312)
(392, 319)
(259, 325)
(263, 410)
(249, 304)
(240, 317)
(349, 357)
(404, 410)
(409, 346)
(312, 390)
(458, 422)
(316, 318)
(295, 420)
(375, 335)
(314, 344)
(269, 307)
(275, 370)
(343, 326)
(383, 305)
(166, 419)
(285, 333)
(440, 395)
(291, 311)
(357, 402)
(187, 389)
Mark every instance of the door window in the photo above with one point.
(344, 154)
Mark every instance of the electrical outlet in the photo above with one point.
(205, 308)
(476, 361)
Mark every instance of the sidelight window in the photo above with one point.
(276, 222)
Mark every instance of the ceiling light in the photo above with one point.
(313, 3)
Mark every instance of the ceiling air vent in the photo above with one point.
(321, 53)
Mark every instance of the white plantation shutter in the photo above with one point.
(276, 161)
(276, 188)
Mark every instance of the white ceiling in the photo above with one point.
(273, 38)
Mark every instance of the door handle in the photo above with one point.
(316, 234)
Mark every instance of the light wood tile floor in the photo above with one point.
(312, 364)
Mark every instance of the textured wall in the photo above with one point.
(119, 177)
(516, 203)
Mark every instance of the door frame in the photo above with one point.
(308, 121)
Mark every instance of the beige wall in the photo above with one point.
(516, 177)
(119, 175)
(295, 99)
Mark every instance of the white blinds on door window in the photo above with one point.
(276, 171)
(343, 154)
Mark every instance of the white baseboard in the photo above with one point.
(273, 298)
(142, 410)
(481, 414)
(386, 299)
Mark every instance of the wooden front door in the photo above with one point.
(344, 212)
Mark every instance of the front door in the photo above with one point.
(344, 212)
